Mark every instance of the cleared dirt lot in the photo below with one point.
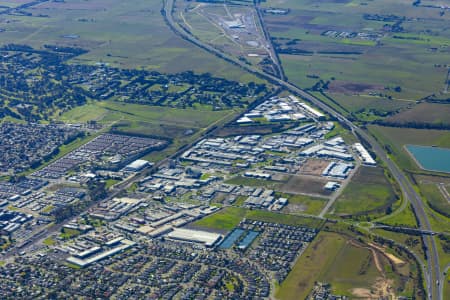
(314, 166)
(303, 184)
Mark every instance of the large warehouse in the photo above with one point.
(208, 239)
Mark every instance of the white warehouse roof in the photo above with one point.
(137, 165)
(209, 239)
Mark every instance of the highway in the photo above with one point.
(433, 275)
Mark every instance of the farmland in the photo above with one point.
(128, 34)
(384, 50)
(431, 114)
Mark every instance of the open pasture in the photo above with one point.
(368, 191)
(365, 50)
(127, 34)
(424, 113)
(327, 260)
(394, 139)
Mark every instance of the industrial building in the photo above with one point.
(136, 165)
(87, 258)
(208, 239)
(364, 155)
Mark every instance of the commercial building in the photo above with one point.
(136, 165)
(364, 155)
(208, 239)
(86, 259)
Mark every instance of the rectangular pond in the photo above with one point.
(431, 158)
(229, 241)
(248, 239)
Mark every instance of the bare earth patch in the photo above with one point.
(314, 166)
(383, 287)
(306, 185)
(345, 87)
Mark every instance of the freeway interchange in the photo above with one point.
(433, 275)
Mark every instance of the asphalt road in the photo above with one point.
(433, 275)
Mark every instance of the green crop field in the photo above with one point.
(369, 190)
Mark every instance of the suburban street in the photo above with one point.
(433, 276)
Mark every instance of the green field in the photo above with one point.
(447, 285)
(368, 191)
(394, 139)
(317, 258)
(129, 34)
(424, 113)
(435, 198)
(327, 260)
(405, 218)
(412, 242)
(111, 112)
(229, 217)
(369, 107)
(225, 219)
(181, 126)
(303, 204)
(369, 77)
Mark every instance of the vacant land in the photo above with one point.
(425, 113)
(303, 204)
(314, 261)
(413, 242)
(369, 191)
(225, 219)
(111, 112)
(327, 260)
(246, 181)
(129, 34)
(394, 139)
(369, 107)
(436, 198)
(306, 185)
(180, 126)
(405, 218)
(314, 166)
(229, 217)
